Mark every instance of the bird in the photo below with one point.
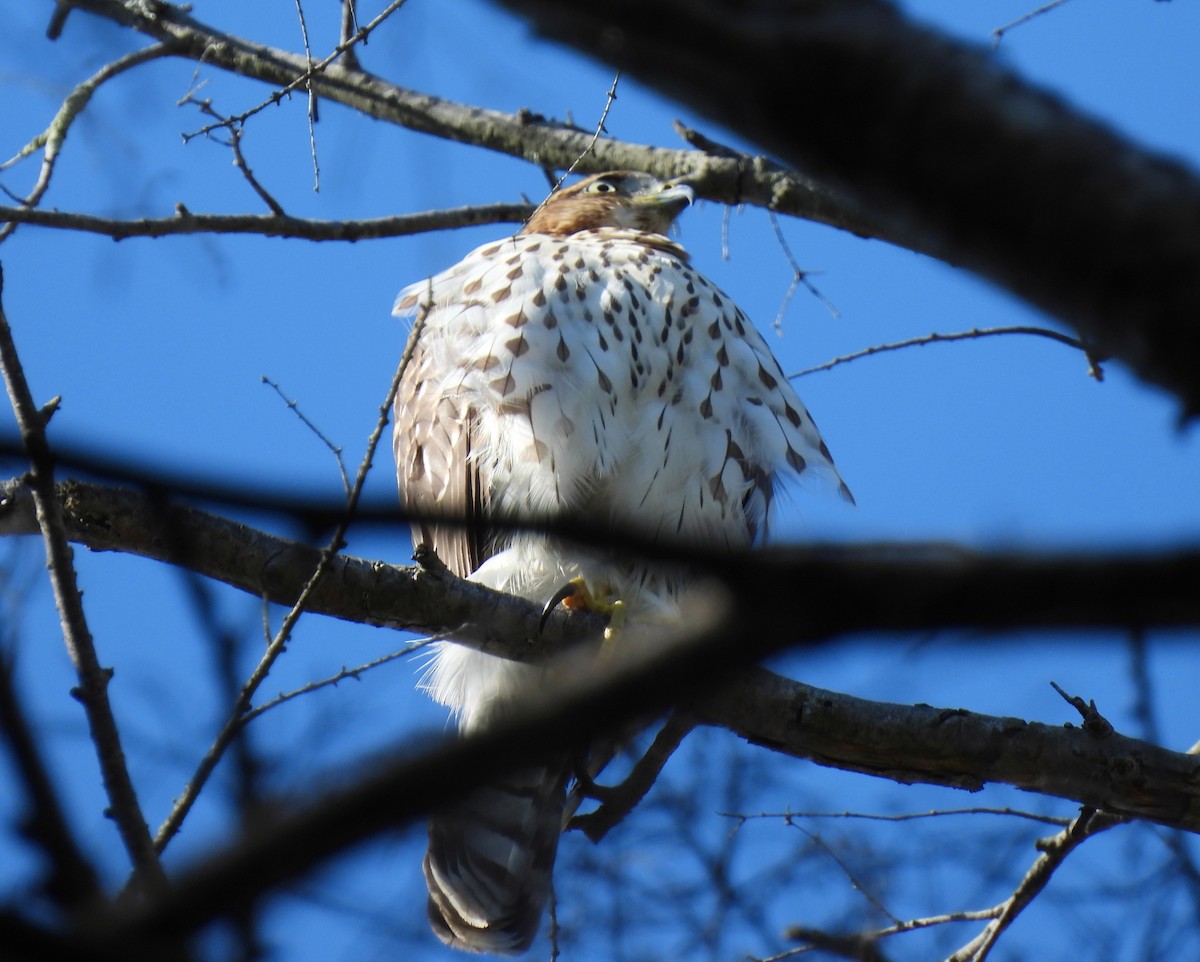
(581, 367)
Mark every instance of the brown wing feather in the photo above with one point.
(435, 472)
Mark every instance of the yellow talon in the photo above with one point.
(575, 595)
(616, 622)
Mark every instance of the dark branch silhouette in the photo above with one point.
(936, 140)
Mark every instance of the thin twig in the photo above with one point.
(239, 159)
(610, 99)
(312, 99)
(907, 925)
(999, 32)
(973, 334)
(1054, 852)
(50, 141)
(788, 817)
(334, 680)
(306, 76)
(237, 718)
(294, 406)
(348, 29)
(93, 679)
(858, 884)
(556, 183)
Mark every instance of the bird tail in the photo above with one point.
(490, 861)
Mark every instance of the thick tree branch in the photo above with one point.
(958, 748)
(905, 588)
(721, 175)
(938, 141)
(937, 148)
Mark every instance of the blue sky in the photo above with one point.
(158, 349)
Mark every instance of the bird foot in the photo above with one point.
(575, 595)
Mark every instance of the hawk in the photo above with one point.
(580, 367)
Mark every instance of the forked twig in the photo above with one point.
(306, 75)
(294, 407)
(238, 716)
(1054, 852)
(799, 276)
(50, 141)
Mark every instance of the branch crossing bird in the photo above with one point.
(582, 367)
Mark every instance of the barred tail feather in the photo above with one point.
(490, 861)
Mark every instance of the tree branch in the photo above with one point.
(905, 588)
(71, 881)
(974, 334)
(723, 176)
(271, 225)
(93, 679)
(958, 748)
(1054, 852)
(50, 141)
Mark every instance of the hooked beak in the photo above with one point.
(677, 196)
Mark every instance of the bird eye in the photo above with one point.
(601, 187)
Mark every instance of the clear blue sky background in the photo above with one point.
(158, 347)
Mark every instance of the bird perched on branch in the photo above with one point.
(582, 367)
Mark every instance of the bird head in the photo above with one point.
(619, 198)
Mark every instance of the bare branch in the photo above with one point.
(349, 29)
(999, 32)
(1054, 852)
(973, 334)
(239, 715)
(51, 140)
(790, 817)
(913, 587)
(909, 589)
(71, 880)
(239, 159)
(737, 179)
(619, 800)
(272, 225)
(312, 97)
(93, 679)
(335, 449)
(308, 75)
(799, 277)
(333, 680)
